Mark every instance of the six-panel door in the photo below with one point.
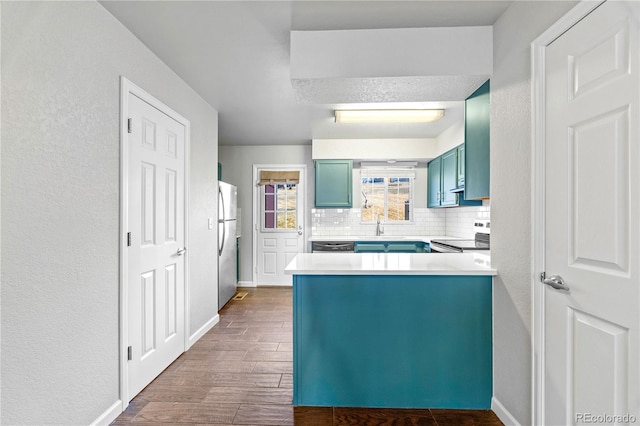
(155, 257)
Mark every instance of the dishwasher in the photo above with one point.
(332, 246)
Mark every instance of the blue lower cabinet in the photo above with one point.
(369, 247)
(392, 341)
(405, 247)
(390, 247)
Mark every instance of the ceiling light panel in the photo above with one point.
(389, 116)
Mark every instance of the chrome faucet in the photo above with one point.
(379, 229)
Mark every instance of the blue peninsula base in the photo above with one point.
(410, 341)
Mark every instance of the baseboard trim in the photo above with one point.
(246, 284)
(203, 330)
(110, 415)
(503, 414)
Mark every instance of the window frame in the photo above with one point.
(385, 220)
(263, 210)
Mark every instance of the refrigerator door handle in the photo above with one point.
(221, 196)
(224, 237)
(224, 225)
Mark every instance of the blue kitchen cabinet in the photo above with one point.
(443, 174)
(390, 247)
(461, 157)
(406, 247)
(476, 142)
(333, 183)
(401, 341)
(433, 182)
(449, 178)
(369, 247)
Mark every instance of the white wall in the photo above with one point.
(61, 64)
(237, 169)
(510, 198)
(450, 138)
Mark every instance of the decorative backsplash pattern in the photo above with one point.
(454, 222)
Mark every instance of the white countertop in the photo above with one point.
(354, 238)
(391, 264)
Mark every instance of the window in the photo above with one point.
(390, 197)
(279, 206)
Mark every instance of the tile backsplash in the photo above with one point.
(459, 220)
(454, 222)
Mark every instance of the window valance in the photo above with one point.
(387, 172)
(270, 177)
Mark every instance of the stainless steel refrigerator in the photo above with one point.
(227, 249)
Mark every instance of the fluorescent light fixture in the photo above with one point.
(389, 115)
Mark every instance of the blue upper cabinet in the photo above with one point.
(333, 185)
(434, 170)
(461, 166)
(443, 176)
(476, 143)
(449, 178)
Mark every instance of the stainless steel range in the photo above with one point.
(481, 241)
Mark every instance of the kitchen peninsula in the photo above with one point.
(392, 330)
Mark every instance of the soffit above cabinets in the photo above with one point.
(390, 65)
(375, 150)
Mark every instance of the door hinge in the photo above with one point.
(129, 126)
(543, 275)
(129, 353)
(128, 239)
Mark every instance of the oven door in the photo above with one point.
(440, 248)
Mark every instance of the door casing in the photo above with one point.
(126, 88)
(538, 110)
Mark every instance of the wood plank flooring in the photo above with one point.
(240, 373)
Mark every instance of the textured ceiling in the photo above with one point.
(235, 54)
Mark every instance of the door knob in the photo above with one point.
(299, 232)
(181, 251)
(556, 282)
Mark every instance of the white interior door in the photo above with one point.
(592, 186)
(156, 261)
(279, 228)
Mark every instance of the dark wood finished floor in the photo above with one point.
(240, 373)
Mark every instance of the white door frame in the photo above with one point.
(256, 209)
(126, 88)
(538, 48)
